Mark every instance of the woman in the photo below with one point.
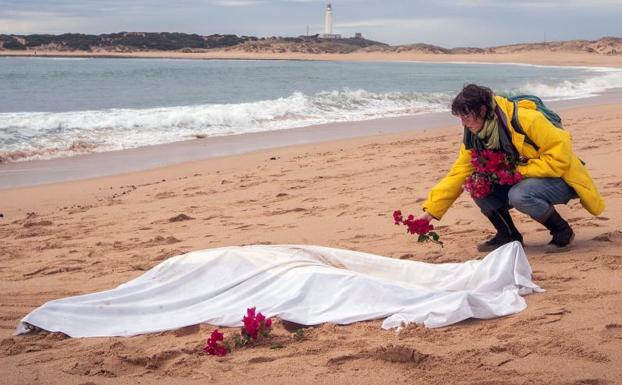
(552, 173)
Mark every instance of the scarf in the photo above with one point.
(493, 136)
(489, 134)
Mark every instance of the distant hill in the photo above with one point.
(120, 42)
(172, 41)
(305, 44)
(603, 46)
(166, 41)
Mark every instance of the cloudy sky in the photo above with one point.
(449, 23)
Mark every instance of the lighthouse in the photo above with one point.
(328, 24)
(328, 20)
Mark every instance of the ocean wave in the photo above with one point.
(44, 135)
(603, 80)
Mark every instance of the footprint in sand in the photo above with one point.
(611, 332)
(180, 218)
(339, 360)
(50, 270)
(165, 195)
(612, 236)
(260, 360)
(37, 224)
(160, 240)
(153, 361)
(400, 353)
(591, 381)
(164, 254)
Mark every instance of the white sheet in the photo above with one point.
(304, 284)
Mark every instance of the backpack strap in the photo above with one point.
(518, 128)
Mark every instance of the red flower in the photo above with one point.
(421, 227)
(490, 167)
(478, 186)
(212, 347)
(255, 324)
(250, 313)
(251, 327)
(397, 217)
(418, 226)
(260, 318)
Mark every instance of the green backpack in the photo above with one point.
(539, 106)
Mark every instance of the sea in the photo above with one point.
(61, 107)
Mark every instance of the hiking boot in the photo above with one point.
(560, 230)
(506, 231)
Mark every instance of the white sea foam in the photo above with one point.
(604, 79)
(37, 135)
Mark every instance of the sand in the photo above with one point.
(536, 56)
(78, 237)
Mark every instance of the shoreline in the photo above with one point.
(536, 57)
(37, 172)
(15, 175)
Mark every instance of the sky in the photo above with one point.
(448, 23)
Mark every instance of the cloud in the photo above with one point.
(535, 4)
(39, 22)
(393, 23)
(235, 3)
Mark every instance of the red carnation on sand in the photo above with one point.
(419, 226)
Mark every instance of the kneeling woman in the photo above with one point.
(551, 172)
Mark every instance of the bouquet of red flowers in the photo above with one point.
(256, 326)
(491, 167)
(417, 226)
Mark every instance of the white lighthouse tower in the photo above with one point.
(328, 20)
(328, 24)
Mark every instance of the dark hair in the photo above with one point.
(471, 99)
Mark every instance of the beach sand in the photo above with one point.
(535, 56)
(78, 237)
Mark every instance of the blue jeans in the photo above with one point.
(532, 196)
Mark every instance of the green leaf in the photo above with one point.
(238, 341)
(422, 238)
(434, 235)
(276, 346)
(299, 334)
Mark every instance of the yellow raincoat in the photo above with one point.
(555, 159)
